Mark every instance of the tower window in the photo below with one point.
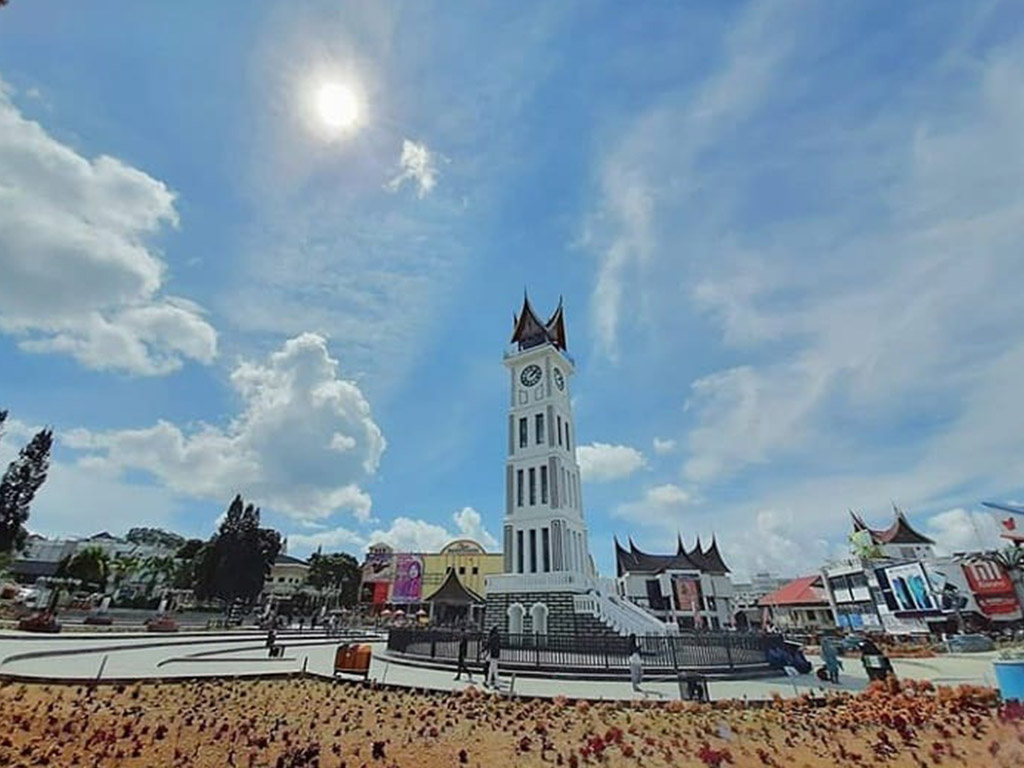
(546, 549)
(533, 550)
(543, 485)
(519, 488)
(519, 551)
(522, 432)
(559, 423)
(533, 486)
(540, 428)
(568, 445)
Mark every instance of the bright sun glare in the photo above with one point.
(337, 106)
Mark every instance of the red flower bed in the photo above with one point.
(314, 724)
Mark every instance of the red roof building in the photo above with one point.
(801, 604)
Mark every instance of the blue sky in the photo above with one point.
(788, 236)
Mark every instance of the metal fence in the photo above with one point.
(686, 651)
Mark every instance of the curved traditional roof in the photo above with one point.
(453, 591)
(635, 560)
(528, 330)
(899, 532)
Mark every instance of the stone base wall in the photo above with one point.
(562, 617)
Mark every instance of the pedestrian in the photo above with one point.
(463, 651)
(271, 640)
(493, 652)
(830, 655)
(636, 665)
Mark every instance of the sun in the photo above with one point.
(337, 106)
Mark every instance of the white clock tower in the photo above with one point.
(544, 528)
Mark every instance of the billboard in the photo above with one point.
(379, 566)
(992, 588)
(911, 589)
(1009, 518)
(408, 585)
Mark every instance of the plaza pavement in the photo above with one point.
(123, 657)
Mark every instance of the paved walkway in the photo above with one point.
(148, 656)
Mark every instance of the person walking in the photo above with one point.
(830, 655)
(493, 652)
(463, 651)
(271, 641)
(636, 664)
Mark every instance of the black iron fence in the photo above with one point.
(685, 651)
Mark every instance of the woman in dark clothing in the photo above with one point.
(493, 652)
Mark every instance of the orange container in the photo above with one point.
(352, 659)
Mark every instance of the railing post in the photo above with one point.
(728, 651)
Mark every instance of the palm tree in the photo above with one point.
(91, 566)
(121, 568)
(158, 569)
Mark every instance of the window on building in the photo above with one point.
(543, 485)
(515, 619)
(519, 551)
(462, 570)
(539, 427)
(539, 618)
(533, 486)
(568, 445)
(558, 421)
(908, 553)
(533, 550)
(546, 549)
(522, 432)
(476, 570)
(519, 488)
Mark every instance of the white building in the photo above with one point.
(549, 583)
(691, 589)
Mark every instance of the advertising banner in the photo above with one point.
(379, 566)
(688, 595)
(993, 590)
(911, 588)
(408, 586)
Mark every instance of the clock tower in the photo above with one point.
(549, 576)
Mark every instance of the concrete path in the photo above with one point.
(148, 656)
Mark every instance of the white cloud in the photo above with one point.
(662, 506)
(960, 530)
(409, 535)
(303, 442)
(661, 447)
(78, 276)
(418, 165)
(600, 462)
(331, 540)
(650, 165)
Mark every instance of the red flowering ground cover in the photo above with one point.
(291, 723)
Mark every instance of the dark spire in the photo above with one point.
(530, 332)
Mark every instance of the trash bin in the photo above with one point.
(693, 688)
(352, 660)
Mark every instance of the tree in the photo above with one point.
(90, 566)
(23, 478)
(159, 570)
(337, 575)
(186, 560)
(156, 537)
(121, 568)
(238, 558)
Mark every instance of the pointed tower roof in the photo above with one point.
(680, 549)
(858, 523)
(529, 331)
(555, 326)
(899, 532)
(453, 591)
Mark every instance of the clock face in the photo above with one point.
(531, 375)
(559, 379)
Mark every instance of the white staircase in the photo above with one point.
(621, 615)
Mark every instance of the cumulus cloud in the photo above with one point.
(417, 165)
(600, 462)
(303, 443)
(960, 530)
(412, 535)
(78, 275)
(662, 447)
